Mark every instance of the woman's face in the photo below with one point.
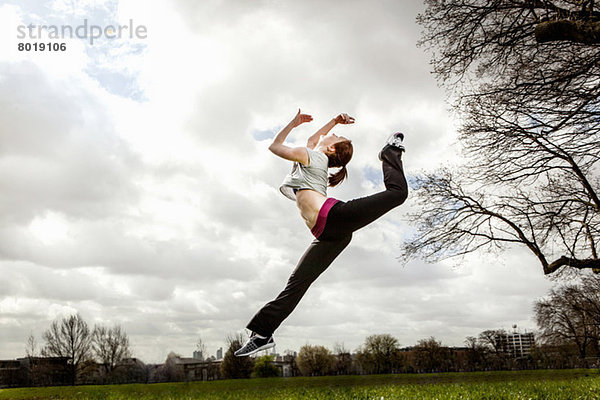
(331, 139)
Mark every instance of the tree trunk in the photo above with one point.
(585, 32)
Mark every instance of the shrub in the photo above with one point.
(264, 367)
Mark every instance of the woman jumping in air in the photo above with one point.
(331, 221)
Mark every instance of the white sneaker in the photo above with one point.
(254, 344)
(395, 140)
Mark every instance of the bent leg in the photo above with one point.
(315, 260)
(347, 217)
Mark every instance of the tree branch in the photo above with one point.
(573, 263)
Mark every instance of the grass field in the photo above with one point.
(549, 385)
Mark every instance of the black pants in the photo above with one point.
(343, 219)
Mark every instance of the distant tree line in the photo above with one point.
(569, 337)
(381, 354)
(73, 353)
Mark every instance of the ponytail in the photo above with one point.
(338, 177)
(341, 157)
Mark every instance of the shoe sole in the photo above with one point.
(387, 146)
(261, 348)
(391, 140)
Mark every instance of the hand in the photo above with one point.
(301, 118)
(344, 119)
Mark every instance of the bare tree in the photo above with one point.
(570, 314)
(340, 348)
(431, 356)
(380, 354)
(488, 339)
(530, 125)
(201, 347)
(111, 346)
(31, 346)
(69, 337)
(343, 362)
(315, 360)
(476, 354)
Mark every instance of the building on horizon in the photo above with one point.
(220, 353)
(198, 355)
(514, 344)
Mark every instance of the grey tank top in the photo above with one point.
(312, 176)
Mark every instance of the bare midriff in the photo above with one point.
(309, 203)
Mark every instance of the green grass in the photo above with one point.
(550, 385)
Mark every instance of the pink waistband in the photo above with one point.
(317, 230)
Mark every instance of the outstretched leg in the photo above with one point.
(347, 217)
(315, 260)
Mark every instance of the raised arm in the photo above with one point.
(340, 119)
(290, 153)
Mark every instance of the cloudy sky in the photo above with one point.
(137, 188)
